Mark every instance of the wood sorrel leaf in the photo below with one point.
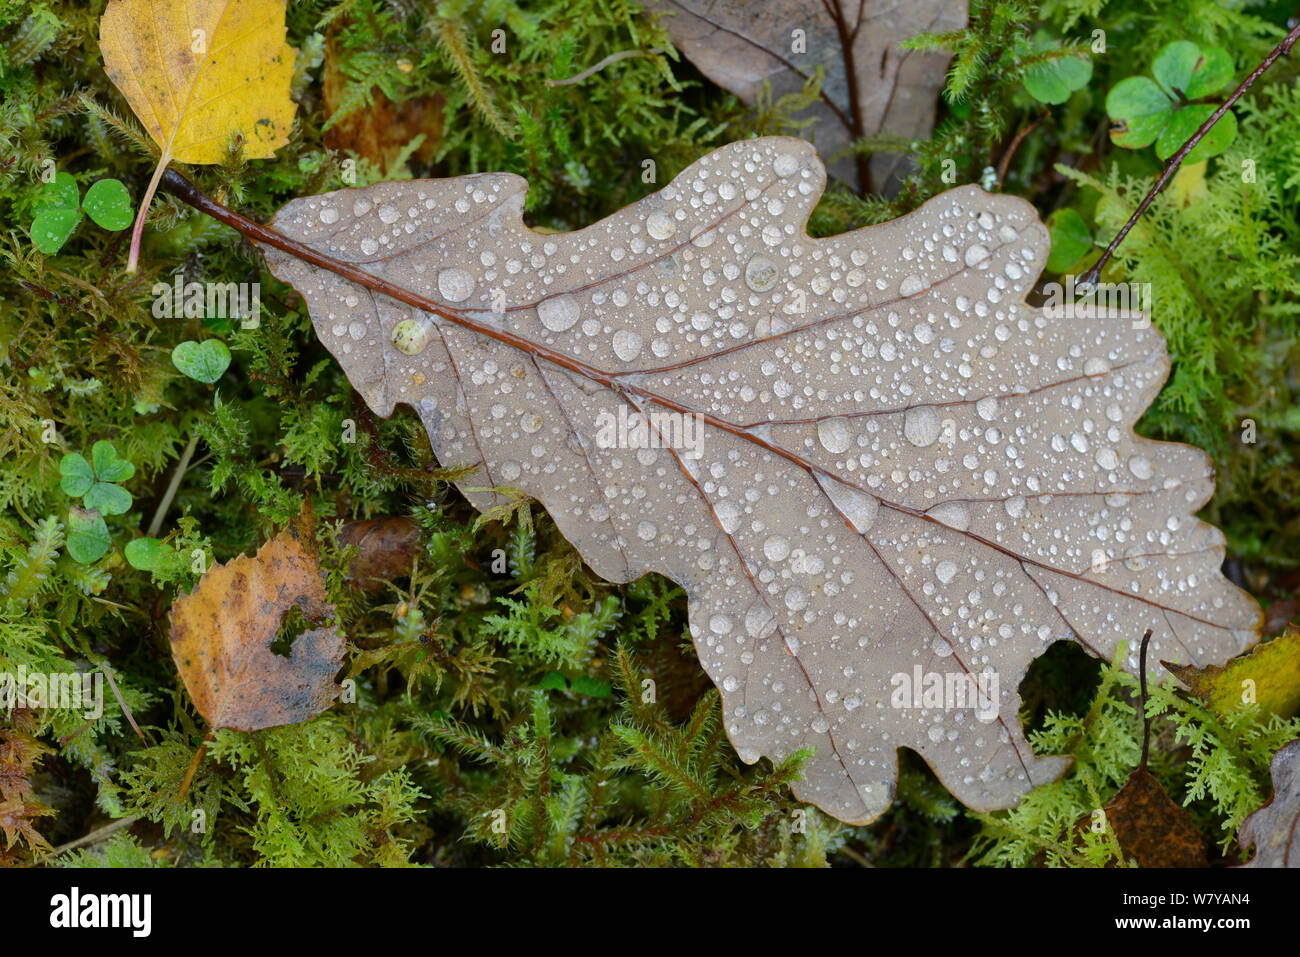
(885, 483)
(109, 204)
(88, 537)
(203, 361)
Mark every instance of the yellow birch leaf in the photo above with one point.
(195, 73)
(198, 73)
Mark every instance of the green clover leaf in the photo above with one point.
(1053, 79)
(109, 204)
(108, 466)
(59, 194)
(204, 361)
(78, 476)
(58, 211)
(147, 554)
(1070, 239)
(94, 481)
(88, 537)
(1160, 111)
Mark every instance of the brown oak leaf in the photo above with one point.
(386, 549)
(884, 481)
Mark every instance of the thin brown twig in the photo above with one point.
(1282, 49)
(194, 767)
(1011, 150)
(1146, 721)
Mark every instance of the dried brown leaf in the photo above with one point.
(1151, 828)
(386, 549)
(382, 131)
(222, 632)
(904, 471)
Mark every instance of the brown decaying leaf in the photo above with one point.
(1274, 830)
(380, 132)
(903, 466)
(222, 632)
(386, 549)
(1151, 827)
(870, 85)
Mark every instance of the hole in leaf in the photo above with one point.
(292, 624)
(1063, 679)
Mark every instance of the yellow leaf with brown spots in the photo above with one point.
(196, 73)
(1269, 674)
(201, 75)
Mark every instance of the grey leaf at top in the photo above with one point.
(916, 470)
(871, 85)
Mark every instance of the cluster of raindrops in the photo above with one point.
(904, 465)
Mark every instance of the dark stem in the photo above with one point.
(1283, 48)
(1015, 145)
(1146, 722)
(856, 127)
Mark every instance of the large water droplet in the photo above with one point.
(410, 336)
(858, 508)
(945, 571)
(627, 344)
(776, 548)
(953, 514)
(785, 164)
(559, 313)
(834, 435)
(761, 273)
(455, 284)
(660, 226)
(759, 621)
(921, 425)
(729, 515)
